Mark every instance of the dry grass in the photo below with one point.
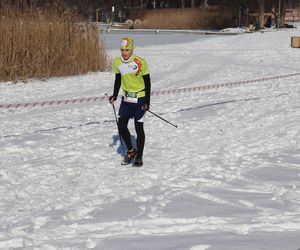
(46, 44)
(185, 19)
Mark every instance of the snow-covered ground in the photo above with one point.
(228, 178)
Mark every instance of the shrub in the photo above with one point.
(47, 43)
(205, 18)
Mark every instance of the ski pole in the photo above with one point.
(162, 118)
(117, 123)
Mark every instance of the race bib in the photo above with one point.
(131, 97)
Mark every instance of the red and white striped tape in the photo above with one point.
(221, 85)
(153, 93)
(53, 103)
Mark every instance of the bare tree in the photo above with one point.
(193, 3)
(261, 13)
(282, 13)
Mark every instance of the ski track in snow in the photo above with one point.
(227, 178)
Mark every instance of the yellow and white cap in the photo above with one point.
(127, 43)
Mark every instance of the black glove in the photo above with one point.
(112, 99)
(145, 107)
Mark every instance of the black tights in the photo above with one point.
(125, 134)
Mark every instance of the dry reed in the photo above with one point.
(47, 43)
(205, 18)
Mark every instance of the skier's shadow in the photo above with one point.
(122, 149)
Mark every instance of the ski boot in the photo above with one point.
(138, 162)
(129, 157)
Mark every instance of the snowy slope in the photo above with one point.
(227, 178)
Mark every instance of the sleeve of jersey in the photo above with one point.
(115, 67)
(145, 68)
(147, 88)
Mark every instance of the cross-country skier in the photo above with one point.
(132, 74)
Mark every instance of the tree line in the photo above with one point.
(239, 8)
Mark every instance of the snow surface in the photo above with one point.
(228, 178)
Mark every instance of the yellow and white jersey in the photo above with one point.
(132, 71)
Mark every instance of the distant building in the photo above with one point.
(292, 15)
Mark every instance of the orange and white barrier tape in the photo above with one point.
(153, 93)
